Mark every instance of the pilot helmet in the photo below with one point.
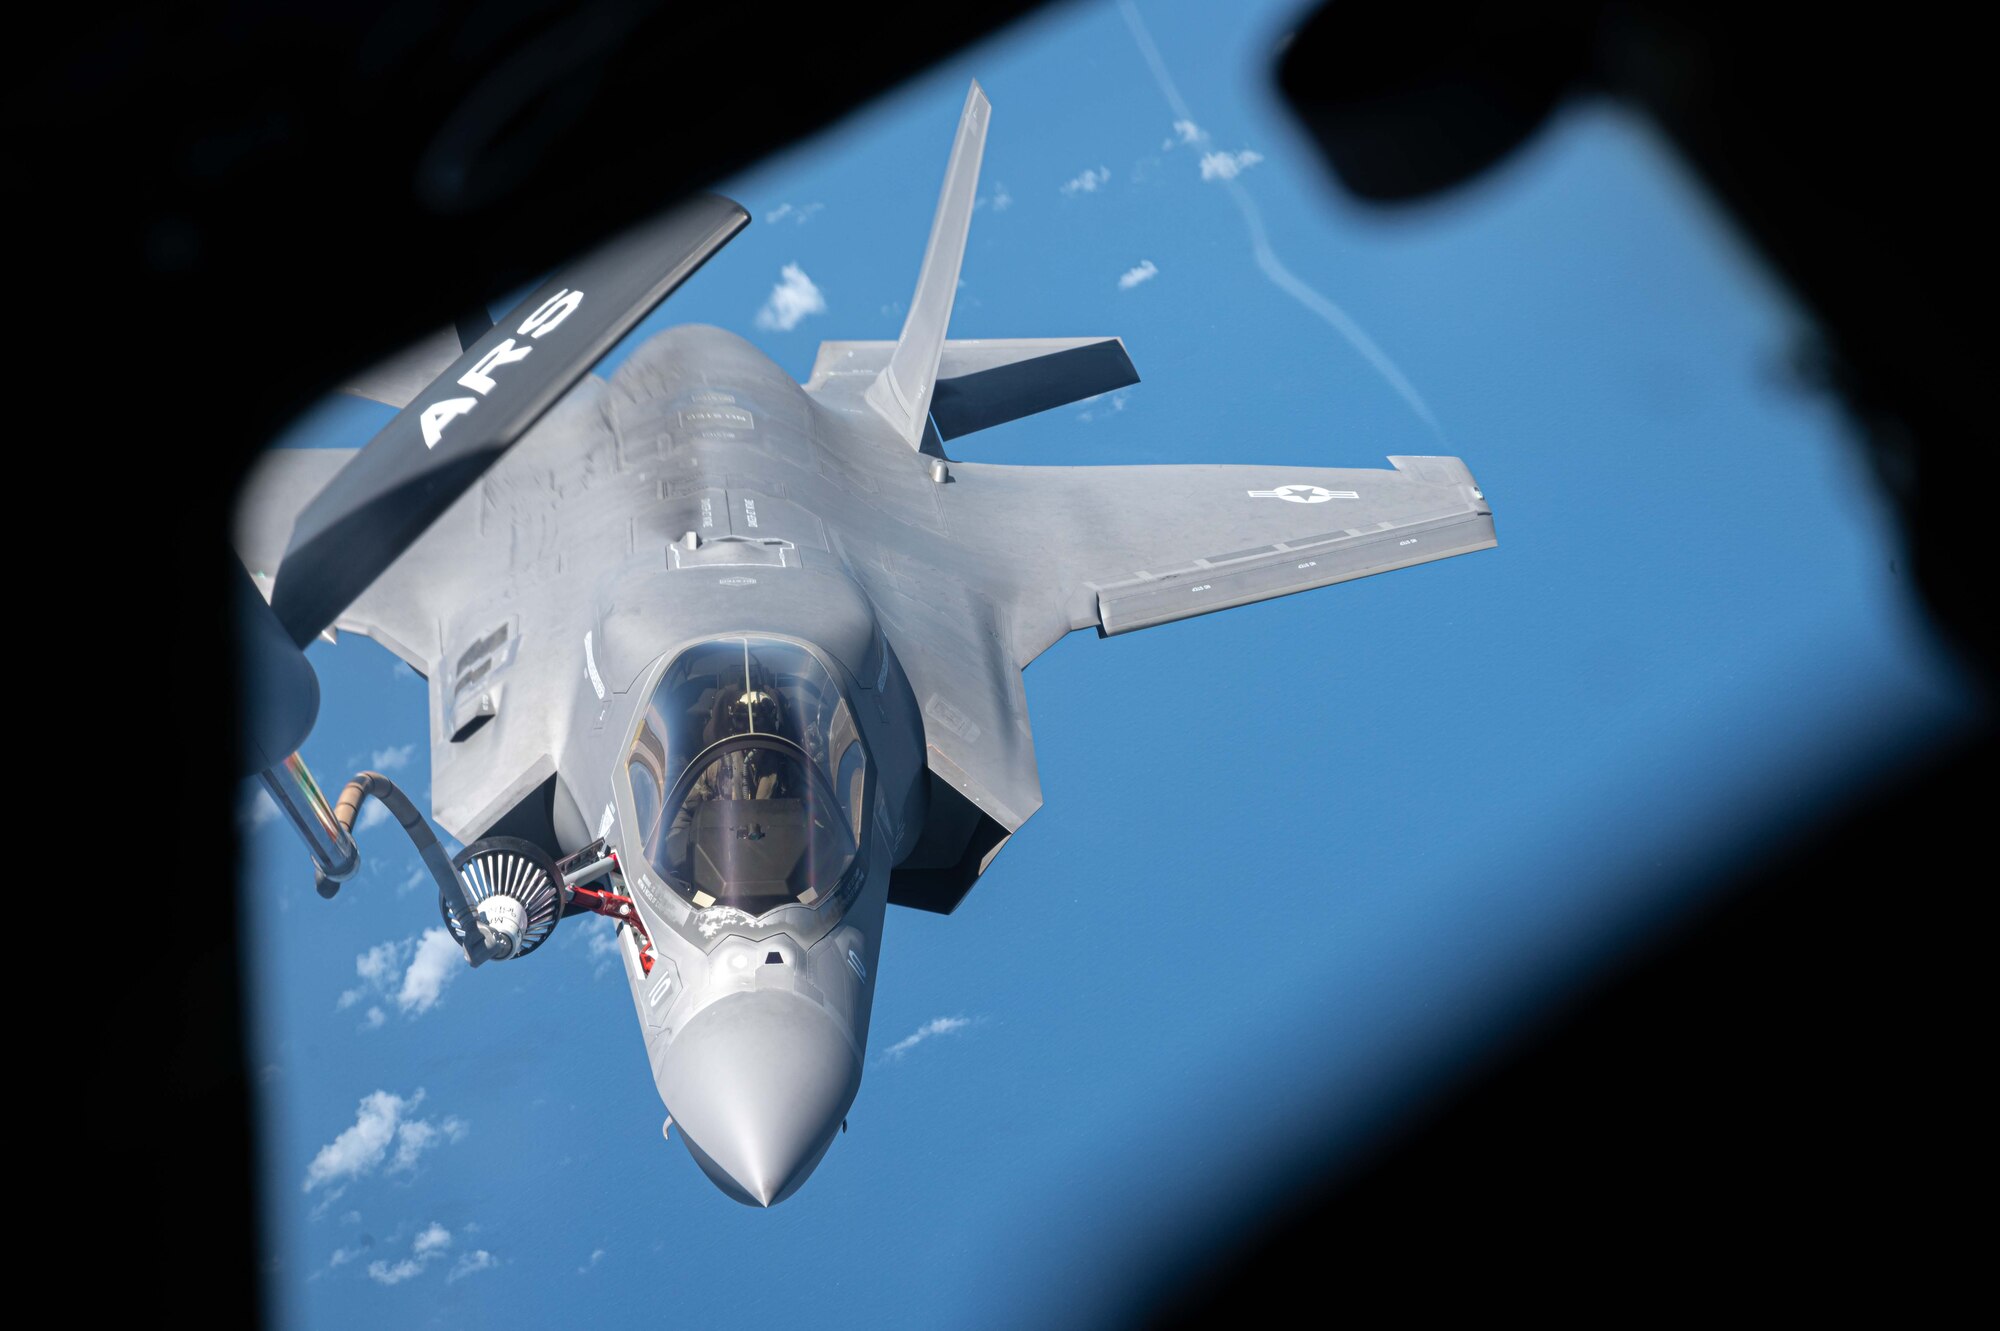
(753, 709)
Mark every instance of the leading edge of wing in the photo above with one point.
(1122, 548)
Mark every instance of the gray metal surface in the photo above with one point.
(700, 493)
(396, 381)
(902, 393)
(764, 1079)
(283, 690)
(452, 432)
(986, 382)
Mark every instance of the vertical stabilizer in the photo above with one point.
(901, 394)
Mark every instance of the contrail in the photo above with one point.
(1260, 242)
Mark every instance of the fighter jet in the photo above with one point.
(736, 661)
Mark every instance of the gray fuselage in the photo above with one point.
(755, 1027)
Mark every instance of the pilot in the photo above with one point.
(755, 708)
(745, 774)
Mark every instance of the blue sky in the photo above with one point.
(1297, 862)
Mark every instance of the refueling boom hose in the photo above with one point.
(405, 812)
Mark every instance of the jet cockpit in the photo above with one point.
(749, 780)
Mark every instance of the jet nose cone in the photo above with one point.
(758, 1084)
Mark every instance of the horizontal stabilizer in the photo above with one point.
(984, 382)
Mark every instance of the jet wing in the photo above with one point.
(475, 604)
(399, 610)
(1124, 548)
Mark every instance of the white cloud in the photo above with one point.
(792, 299)
(414, 972)
(259, 809)
(1228, 166)
(1088, 182)
(373, 814)
(379, 968)
(935, 1026)
(438, 959)
(342, 1256)
(416, 879)
(471, 1263)
(595, 1257)
(430, 1245)
(799, 213)
(373, 1018)
(379, 964)
(1117, 404)
(384, 1120)
(1002, 200)
(418, 1136)
(412, 1140)
(1186, 131)
(389, 759)
(602, 946)
(1132, 277)
(360, 1149)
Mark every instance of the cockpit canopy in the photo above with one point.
(748, 777)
